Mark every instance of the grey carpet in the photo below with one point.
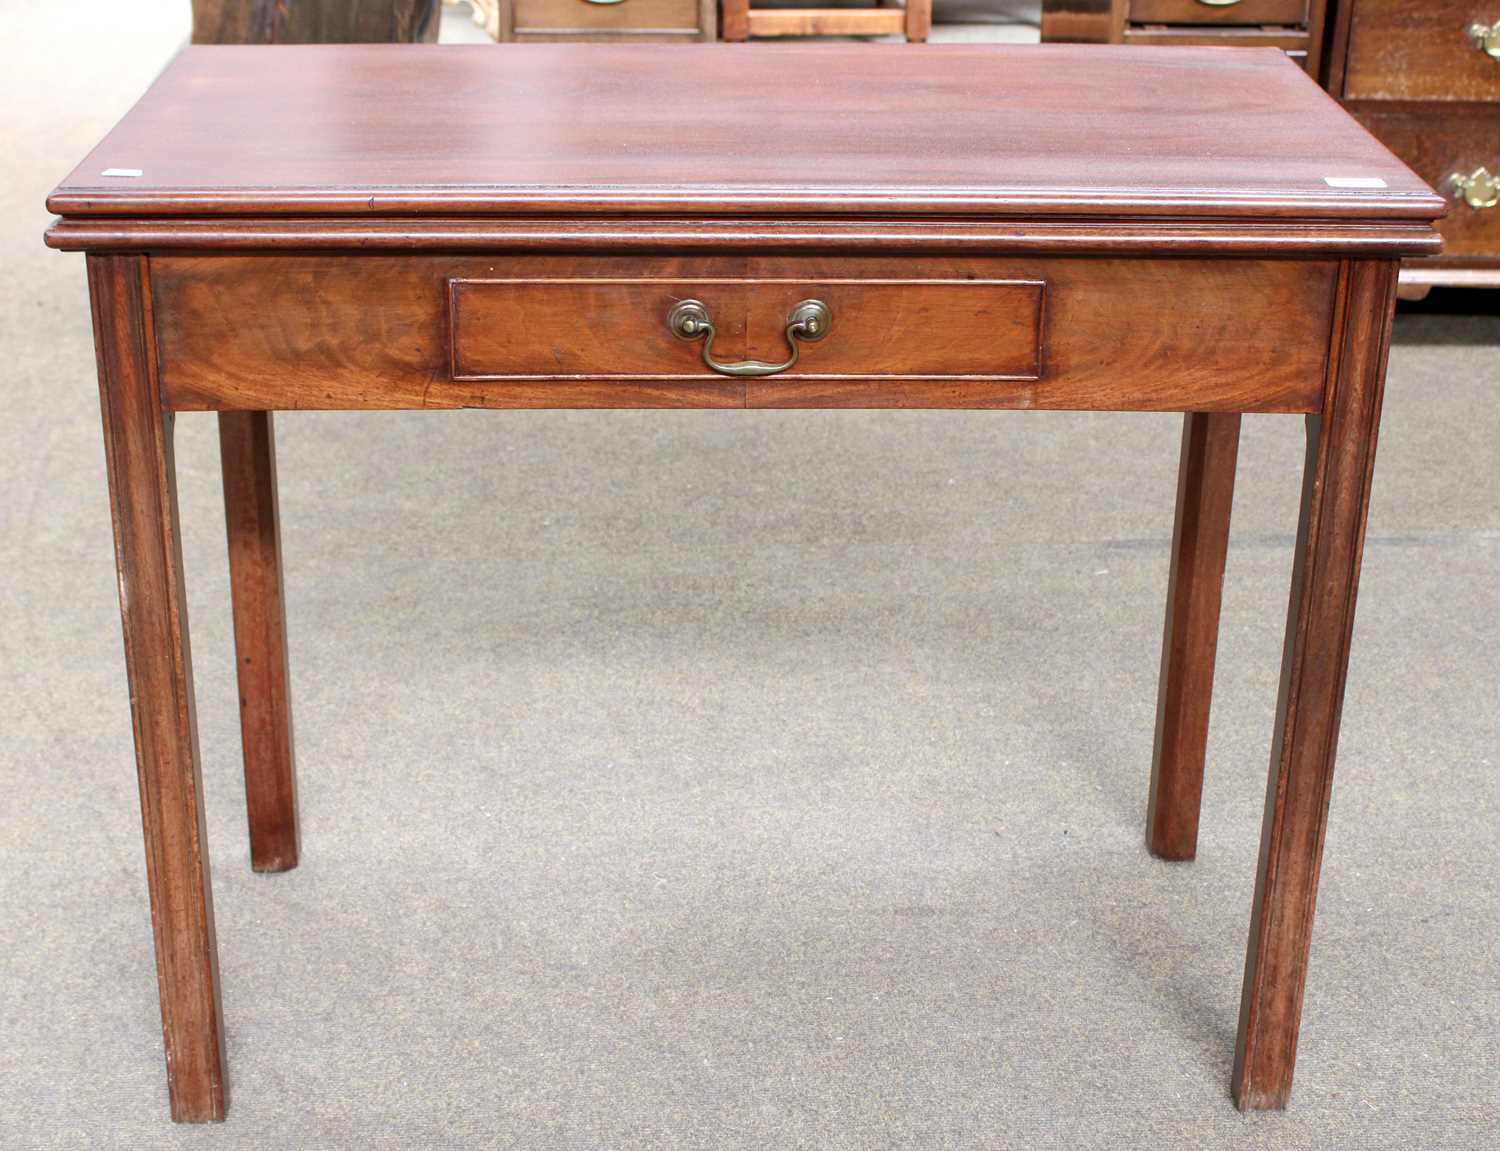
(731, 780)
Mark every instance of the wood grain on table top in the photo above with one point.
(759, 129)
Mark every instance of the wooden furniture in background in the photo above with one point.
(914, 21)
(635, 21)
(1424, 76)
(248, 251)
(314, 21)
(1296, 26)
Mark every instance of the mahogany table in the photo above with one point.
(722, 227)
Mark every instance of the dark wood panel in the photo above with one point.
(343, 332)
(946, 129)
(1082, 21)
(1420, 50)
(314, 21)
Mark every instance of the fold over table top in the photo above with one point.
(748, 131)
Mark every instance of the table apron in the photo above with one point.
(538, 330)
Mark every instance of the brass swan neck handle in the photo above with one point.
(1478, 189)
(808, 321)
(1486, 38)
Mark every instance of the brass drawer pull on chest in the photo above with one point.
(809, 320)
(1478, 189)
(1219, 3)
(1486, 38)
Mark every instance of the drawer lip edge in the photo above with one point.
(1209, 238)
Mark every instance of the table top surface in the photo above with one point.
(759, 129)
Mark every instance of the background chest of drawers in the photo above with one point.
(632, 21)
(1296, 26)
(1424, 76)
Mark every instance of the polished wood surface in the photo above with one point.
(1200, 542)
(315, 21)
(311, 229)
(158, 663)
(1420, 50)
(622, 130)
(1320, 625)
(378, 332)
(248, 452)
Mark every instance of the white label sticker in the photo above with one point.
(1354, 181)
(122, 172)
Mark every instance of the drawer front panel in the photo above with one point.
(616, 329)
(1201, 12)
(1293, 41)
(627, 15)
(433, 331)
(1438, 145)
(1421, 50)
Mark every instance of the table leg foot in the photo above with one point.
(1320, 621)
(1200, 540)
(918, 21)
(734, 23)
(248, 452)
(153, 608)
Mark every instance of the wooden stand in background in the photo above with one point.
(1295, 26)
(742, 22)
(608, 21)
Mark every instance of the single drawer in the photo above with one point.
(1423, 50)
(620, 330)
(1218, 11)
(625, 16)
(429, 330)
(1439, 145)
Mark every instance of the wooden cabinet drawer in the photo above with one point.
(569, 18)
(616, 329)
(1420, 50)
(1437, 144)
(1205, 12)
(563, 331)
